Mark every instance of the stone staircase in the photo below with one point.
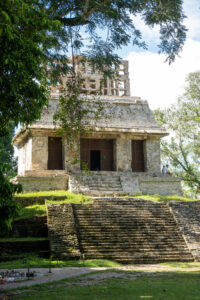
(96, 184)
(129, 231)
(187, 215)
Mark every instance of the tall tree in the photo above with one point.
(36, 34)
(182, 150)
(7, 151)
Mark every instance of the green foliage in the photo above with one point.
(9, 208)
(74, 115)
(36, 35)
(7, 151)
(182, 150)
(29, 43)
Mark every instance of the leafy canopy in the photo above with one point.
(36, 34)
(183, 148)
(7, 151)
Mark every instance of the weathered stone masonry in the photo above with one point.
(125, 140)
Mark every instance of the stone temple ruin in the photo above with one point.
(122, 155)
(122, 152)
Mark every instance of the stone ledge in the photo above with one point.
(43, 183)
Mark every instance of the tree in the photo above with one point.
(182, 119)
(36, 34)
(7, 151)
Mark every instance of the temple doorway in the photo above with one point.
(96, 154)
(55, 160)
(137, 156)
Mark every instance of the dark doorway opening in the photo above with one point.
(95, 160)
(55, 161)
(138, 156)
(102, 161)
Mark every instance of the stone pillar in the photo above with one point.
(72, 155)
(123, 154)
(39, 152)
(152, 155)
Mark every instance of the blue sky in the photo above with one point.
(151, 78)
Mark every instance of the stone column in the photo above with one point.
(152, 155)
(39, 152)
(123, 154)
(72, 155)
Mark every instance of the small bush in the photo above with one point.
(9, 208)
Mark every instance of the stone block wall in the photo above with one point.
(46, 183)
(25, 156)
(187, 215)
(62, 231)
(39, 152)
(29, 227)
(163, 185)
(72, 155)
(152, 155)
(123, 154)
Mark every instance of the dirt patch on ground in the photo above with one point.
(91, 279)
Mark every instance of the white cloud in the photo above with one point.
(156, 81)
(192, 11)
(148, 34)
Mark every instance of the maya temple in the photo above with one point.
(122, 152)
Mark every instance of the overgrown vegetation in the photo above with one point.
(9, 208)
(182, 150)
(36, 210)
(40, 209)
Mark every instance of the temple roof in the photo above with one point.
(120, 115)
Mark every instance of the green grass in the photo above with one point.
(162, 286)
(82, 200)
(160, 198)
(70, 197)
(32, 211)
(40, 209)
(44, 193)
(38, 262)
(26, 239)
(181, 264)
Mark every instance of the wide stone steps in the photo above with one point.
(129, 230)
(158, 254)
(142, 260)
(95, 182)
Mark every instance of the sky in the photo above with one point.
(153, 79)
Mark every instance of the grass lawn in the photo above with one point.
(70, 197)
(38, 262)
(160, 198)
(158, 286)
(31, 211)
(44, 193)
(23, 239)
(40, 209)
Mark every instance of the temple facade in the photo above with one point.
(120, 155)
